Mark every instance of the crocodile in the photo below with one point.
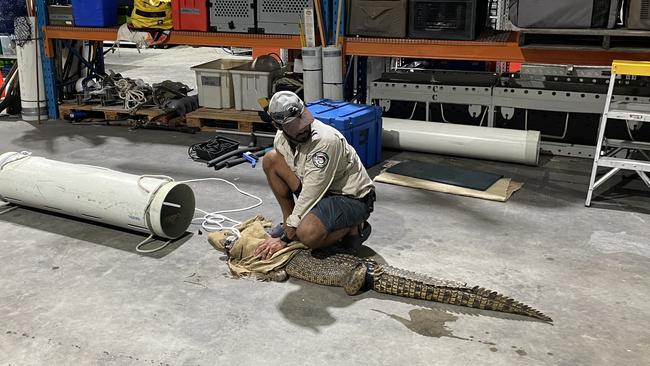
(355, 275)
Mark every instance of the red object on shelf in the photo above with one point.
(514, 67)
(190, 15)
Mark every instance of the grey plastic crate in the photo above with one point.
(236, 16)
(214, 83)
(280, 16)
(249, 85)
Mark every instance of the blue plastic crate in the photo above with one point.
(360, 124)
(97, 13)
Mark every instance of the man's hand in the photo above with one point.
(291, 231)
(268, 247)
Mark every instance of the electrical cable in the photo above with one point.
(415, 106)
(442, 114)
(483, 118)
(561, 137)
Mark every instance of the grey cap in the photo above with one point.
(285, 101)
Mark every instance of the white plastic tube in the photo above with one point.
(146, 204)
(513, 146)
(332, 73)
(312, 71)
(32, 88)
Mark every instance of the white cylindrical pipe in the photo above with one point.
(332, 73)
(32, 88)
(146, 204)
(487, 143)
(312, 71)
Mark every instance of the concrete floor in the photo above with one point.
(75, 293)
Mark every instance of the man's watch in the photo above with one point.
(285, 238)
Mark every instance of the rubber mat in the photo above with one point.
(447, 175)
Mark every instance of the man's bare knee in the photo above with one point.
(270, 160)
(311, 232)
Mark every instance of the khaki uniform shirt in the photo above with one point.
(324, 164)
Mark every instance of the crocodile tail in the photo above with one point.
(393, 281)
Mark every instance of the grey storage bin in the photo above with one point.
(214, 83)
(250, 85)
(280, 16)
(235, 16)
(556, 14)
(378, 18)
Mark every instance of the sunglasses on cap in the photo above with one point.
(288, 115)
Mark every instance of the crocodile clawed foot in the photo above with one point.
(355, 280)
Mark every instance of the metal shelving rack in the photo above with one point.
(491, 46)
(499, 46)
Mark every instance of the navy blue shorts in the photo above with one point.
(339, 212)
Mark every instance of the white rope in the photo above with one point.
(7, 210)
(215, 221)
(14, 157)
(148, 240)
(131, 93)
(210, 221)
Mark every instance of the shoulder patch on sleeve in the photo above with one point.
(320, 159)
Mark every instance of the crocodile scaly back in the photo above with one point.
(342, 270)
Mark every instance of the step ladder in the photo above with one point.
(606, 149)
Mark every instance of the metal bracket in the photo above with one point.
(507, 112)
(384, 104)
(475, 110)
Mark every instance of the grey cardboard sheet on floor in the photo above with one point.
(450, 180)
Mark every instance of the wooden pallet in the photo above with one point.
(110, 113)
(211, 119)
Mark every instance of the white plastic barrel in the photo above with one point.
(32, 88)
(145, 204)
(332, 73)
(312, 71)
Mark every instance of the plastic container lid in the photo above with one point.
(221, 64)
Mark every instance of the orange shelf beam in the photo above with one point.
(491, 46)
(176, 37)
(496, 46)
